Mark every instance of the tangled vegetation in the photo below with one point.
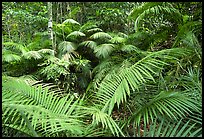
(102, 69)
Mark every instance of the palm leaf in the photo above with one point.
(117, 40)
(90, 44)
(7, 56)
(76, 34)
(15, 47)
(115, 89)
(32, 54)
(100, 35)
(94, 30)
(180, 129)
(171, 104)
(103, 50)
(155, 8)
(46, 51)
(103, 118)
(43, 108)
(66, 46)
(186, 34)
(88, 26)
(72, 21)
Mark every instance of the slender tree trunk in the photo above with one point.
(50, 24)
(8, 28)
(61, 9)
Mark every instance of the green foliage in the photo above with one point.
(99, 77)
(165, 129)
(40, 106)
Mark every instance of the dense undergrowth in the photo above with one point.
(101, 79)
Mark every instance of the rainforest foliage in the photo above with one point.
(130, 69)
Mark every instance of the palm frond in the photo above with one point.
(155, 8)
(186, 34)
(175, 105)
(103, 50)
(66, 47)
(140, 9)
(90, 44)
(7, 56)
(70, 56)
(46, 111)
(167, 129)
(104, 119)
(72, 21)
(94, 30)
(117, 40)
(100, 35)
(89, 25)
(15, 47)
(76, 34)
(46, 51)
(32, 54)
(115, 89)
(130, 48)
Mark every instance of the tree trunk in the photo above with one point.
(50, 24)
